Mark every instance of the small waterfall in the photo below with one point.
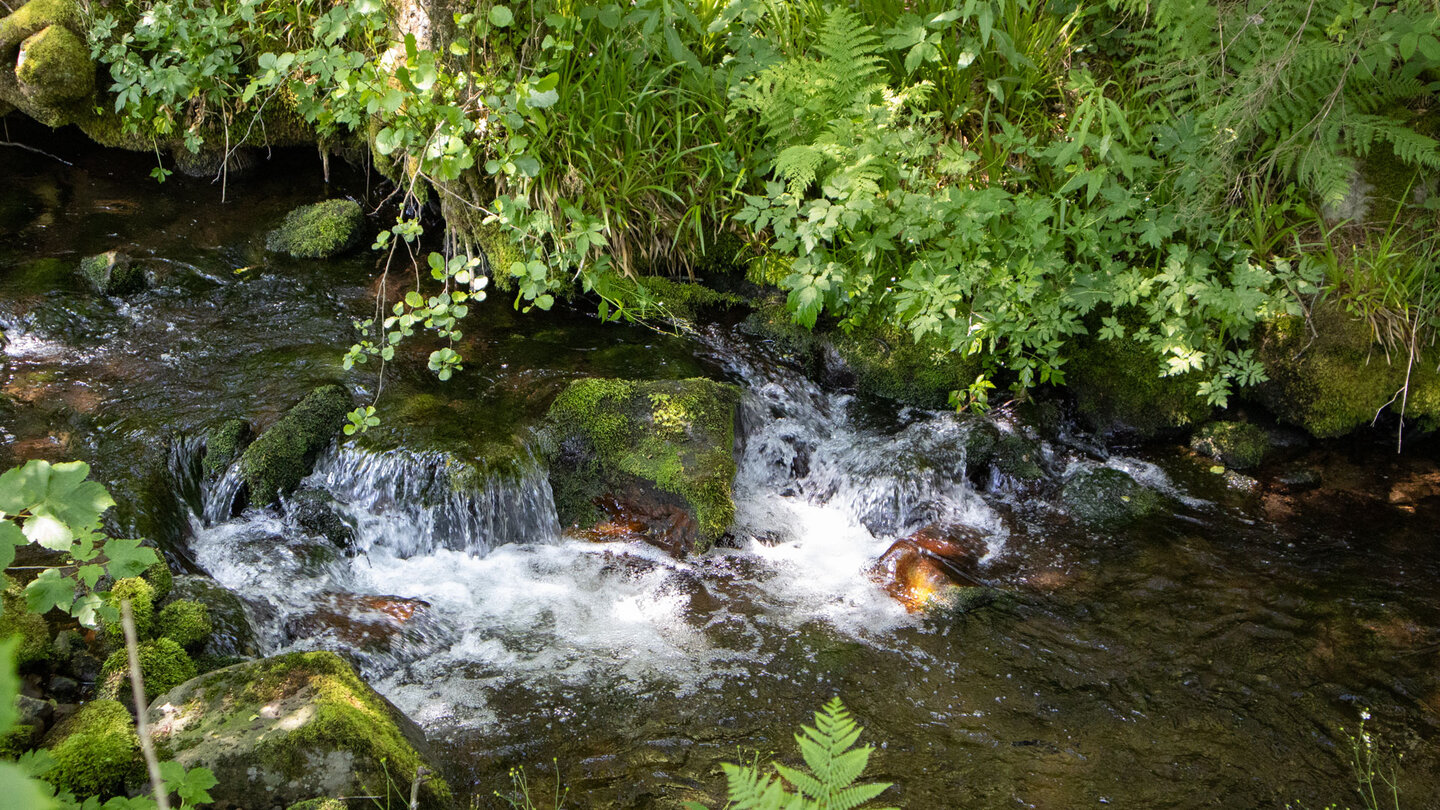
(218, 501)
(416, 503)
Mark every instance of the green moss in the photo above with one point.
(676, 435)
(142, 606)
(318, 804)
(185, 622)
(1329, 377)
(1235, 444)
(54, 67)
(1118, 387)
(318, 231)
(96, 751)
(1107, 498)
(1019, 458)
(283, 455)
(163, 666)
(16, 619)
(686, 300)
(887, 362)
(17, 741)
(332, 710)
(112, 273)
(160, 578)
(223, 444)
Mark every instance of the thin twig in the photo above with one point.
(142, 723)
(36, 151)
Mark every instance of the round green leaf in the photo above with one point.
(501, 16)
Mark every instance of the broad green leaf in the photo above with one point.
(21, 792)
(24, 487)
(48, 532)
(501, 16)
(9, 682)
(127, 558)
(49, 590)
(10, 537)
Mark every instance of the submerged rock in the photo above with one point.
(315, 511)
(111, 273)
(284, 454)
(231, 630)
(656, 446)
(934, 568)
(283, 730)
(1239, 445)
(366, 622)
(1108, 498)
(318, 231)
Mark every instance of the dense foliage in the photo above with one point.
(999, 178)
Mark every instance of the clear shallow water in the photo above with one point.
(1201, 659)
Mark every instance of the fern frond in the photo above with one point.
(799, 166)
(849, 52)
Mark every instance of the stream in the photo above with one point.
(1204, 658)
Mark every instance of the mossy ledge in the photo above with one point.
(281, 730)
(608, 436)
(284, 454)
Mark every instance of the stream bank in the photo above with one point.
(1214, 644)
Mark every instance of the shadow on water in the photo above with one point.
(1202, 658)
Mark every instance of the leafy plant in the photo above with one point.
(830, 780)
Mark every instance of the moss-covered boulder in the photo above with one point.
(274, 464)
(1108, 498)
(141, 595)
(223, 444)
(185, 622)
(319, 231)
(1118, 389)
(54, 67)
(282, 730)
(1329, 376)
(659, 442)
(232, 632)
(163, 666)
(1239, 445)
(160, 578)
(96, 751)
(17, 620)
(112, 273)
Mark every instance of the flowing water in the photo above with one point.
(1203, 658)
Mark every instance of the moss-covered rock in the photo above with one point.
(232, 633)
(142, 607)
(112, 273)
(160, 579)
(223, 444)
(281, 730)
(19, 739)
(54, 67)
(887, 362)
(1118, 389)
(163, 666)
(96, 751)
(1240, 445)
(15, 619)
(319, 231)
(1329, 377)
(274, 464)
(1107, 498)
(663, 437)
(185, 622)
(318, 804)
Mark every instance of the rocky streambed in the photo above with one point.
(619, 558)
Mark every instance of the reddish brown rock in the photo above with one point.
(663, 525)
(931, 566)
(366, 622)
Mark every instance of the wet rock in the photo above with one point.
(366, 622)
(650, 445)
(223, 444)
(1238, 445)
(935, 567)
(34, 712)
(112, 273)
(96, 751)
(285, 729)
(1107, 498)
(315, 511)
(63, 688)
(318, 231)
(665, 525)
(232, 631)
(274, 464)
